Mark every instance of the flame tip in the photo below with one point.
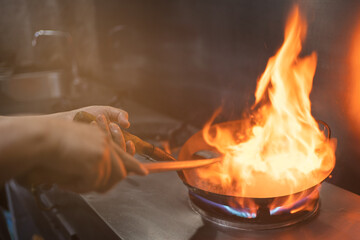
(279, 150)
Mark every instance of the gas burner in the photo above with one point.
(257, 213)
(262, 206)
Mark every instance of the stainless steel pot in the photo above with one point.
(35, 85)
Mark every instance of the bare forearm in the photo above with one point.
(69, 115)
(113, 114)
(23, 144)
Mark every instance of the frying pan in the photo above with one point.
(191, 179)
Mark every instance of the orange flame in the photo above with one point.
(354, 89)
(310, 197)
(282, 150)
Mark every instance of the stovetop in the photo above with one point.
(157, 207)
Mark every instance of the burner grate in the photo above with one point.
(263, 218)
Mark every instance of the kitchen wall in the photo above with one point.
(20, 19)
(199, 55)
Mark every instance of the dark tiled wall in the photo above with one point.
(194, 56)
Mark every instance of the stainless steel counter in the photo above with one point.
(157, 207)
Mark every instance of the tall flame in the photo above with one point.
(354, 83)
(282, 151)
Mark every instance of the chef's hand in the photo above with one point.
(106, 117)
(113, 131)
(84, 158)
(111, 114)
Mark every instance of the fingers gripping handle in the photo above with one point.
(141, 146)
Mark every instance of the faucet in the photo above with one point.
(69, 40)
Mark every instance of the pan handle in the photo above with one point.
(326, 126)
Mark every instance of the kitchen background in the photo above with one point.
(182, 58)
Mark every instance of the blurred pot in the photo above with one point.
(34, 85)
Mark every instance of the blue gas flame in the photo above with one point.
(241, 212)
(284, 209)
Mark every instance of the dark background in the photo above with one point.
(186, 58)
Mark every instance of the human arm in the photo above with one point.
(111, 114)
(76, 156)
